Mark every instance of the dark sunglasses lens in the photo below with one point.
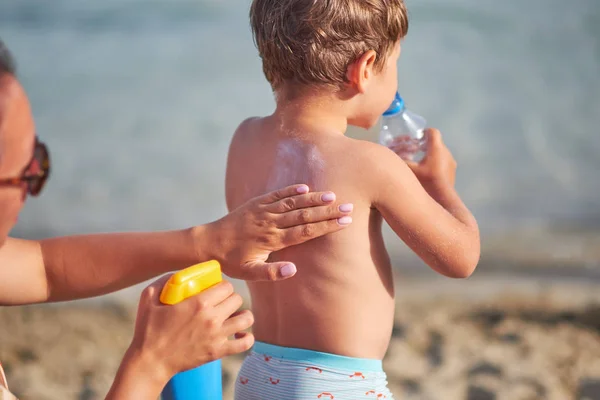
(36, 184)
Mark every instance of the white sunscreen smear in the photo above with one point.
(296, 162)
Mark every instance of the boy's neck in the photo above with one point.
(313, 112)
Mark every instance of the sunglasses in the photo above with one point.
(35, 173)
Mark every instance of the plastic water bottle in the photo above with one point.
(403, 131)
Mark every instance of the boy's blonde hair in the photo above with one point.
(314, 41)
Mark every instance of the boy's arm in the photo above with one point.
(425, 211)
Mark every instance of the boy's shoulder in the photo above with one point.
(246, 132)
(248, 125)
(250, 122)
(375, 165)
(370, 155)
(370, 165)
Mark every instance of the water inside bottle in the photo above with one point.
(408, 147)
(404, 134)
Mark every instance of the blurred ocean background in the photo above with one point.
(138, 100)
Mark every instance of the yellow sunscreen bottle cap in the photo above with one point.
(191, 281)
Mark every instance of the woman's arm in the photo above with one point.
(75, 267)
(137, 378)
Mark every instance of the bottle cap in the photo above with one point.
(396, 106)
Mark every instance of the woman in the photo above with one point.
(77, 267)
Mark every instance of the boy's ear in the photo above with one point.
(361, 71)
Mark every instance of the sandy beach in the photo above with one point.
(490, 337)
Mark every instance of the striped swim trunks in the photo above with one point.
(272, 372)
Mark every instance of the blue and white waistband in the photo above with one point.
(318, 358)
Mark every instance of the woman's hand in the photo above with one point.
(171, 339)
(246, 237)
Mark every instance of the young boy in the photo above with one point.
(323, 334)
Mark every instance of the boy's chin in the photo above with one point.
(365, 122)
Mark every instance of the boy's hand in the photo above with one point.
(438, 167)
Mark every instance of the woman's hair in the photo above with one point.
(7, 62)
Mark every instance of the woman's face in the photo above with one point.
(17, 141)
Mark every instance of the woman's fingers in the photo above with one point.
(211, 297)
(243, 342)
(313, 215)
(238, 322)
(308, 209)
(258, 270)
(240, 335)
(303, 233)
(284, 193)
(296, 202)
(297, 209)
(228, 307)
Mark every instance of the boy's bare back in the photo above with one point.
(341, 300)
